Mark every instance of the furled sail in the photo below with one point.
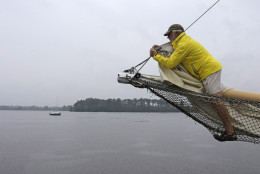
(186, 93)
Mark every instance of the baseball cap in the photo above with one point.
(174, 27)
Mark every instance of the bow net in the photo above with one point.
(245, 114)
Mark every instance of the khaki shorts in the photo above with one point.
(212, 84)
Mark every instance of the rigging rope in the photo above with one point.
(202, 15)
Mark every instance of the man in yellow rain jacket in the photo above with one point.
(197, 60)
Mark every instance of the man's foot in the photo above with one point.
(226, 137)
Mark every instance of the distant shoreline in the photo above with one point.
(34, 108)
(101, 105)
(99, 111)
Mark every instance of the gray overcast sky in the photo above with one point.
(75, 48)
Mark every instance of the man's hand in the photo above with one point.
(153, 51)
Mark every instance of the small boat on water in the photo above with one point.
(55, 113)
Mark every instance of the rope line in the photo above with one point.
(202, 15)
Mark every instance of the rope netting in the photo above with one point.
(203, 108)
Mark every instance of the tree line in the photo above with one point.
(108, 105)
(123, 105)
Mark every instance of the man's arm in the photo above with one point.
(175, 59)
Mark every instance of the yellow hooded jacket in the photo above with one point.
(194, 57)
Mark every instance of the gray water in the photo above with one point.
(32, 142)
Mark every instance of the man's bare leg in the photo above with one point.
(223, 114)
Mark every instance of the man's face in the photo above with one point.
(171, 36)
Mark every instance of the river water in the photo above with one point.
(32, 142)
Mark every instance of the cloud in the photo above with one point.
(74, 49)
